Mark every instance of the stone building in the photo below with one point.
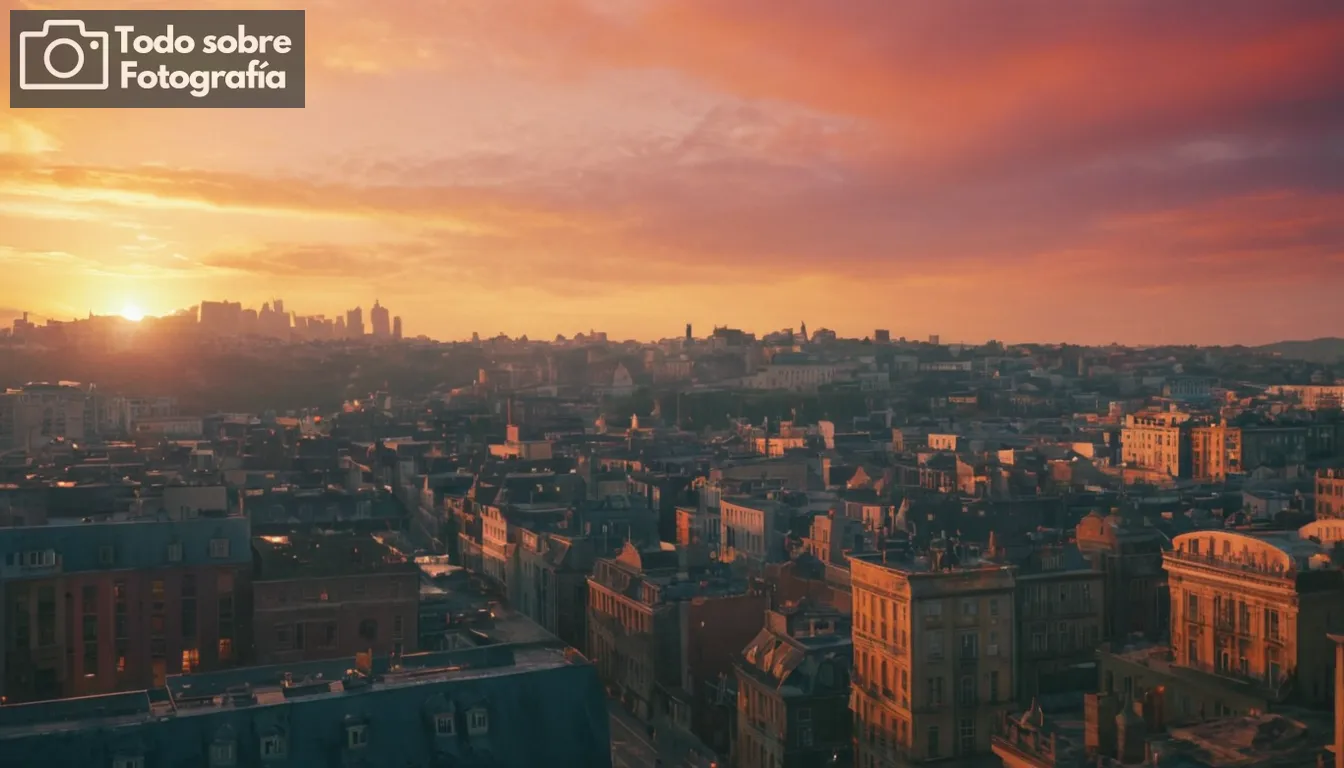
(793, 690)
(1130, 555)
(1250, 617)
(326, 596)
(1061, 613)
(934, 651)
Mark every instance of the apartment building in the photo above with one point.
(1061, 612)
(793, 690)
(1130, 556)
(934, 653)
(1157, 441)
(753, 530)
(328, 596)
(1250, 619)
(101, 607)
(1330, 493)
(653, 614)
(1256, 609)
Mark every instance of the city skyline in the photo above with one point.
(1143, 174)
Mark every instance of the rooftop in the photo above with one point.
(325, 554)
(542, 706)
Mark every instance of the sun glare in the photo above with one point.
(132, 313)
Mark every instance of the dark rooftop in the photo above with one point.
(325, 554)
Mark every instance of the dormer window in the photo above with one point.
(223, 754)
(478, 722)
(219, 548)
(356, 736)
(128, 761)
(273, 747)
(445, 724)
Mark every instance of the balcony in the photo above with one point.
(1227, 564)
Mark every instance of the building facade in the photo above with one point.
(1330, 493)
(934, 655)
(1130, 556)
(325, 597)
(1253, 611)
(103, 607)
(793, 690)
(1157, 441)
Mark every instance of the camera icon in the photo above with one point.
(44, 61)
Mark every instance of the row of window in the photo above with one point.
(107, 555)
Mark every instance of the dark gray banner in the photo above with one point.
(156, 59)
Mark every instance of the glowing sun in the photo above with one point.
(132, 313)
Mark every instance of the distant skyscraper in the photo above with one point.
(396, 328)
(379, 320)
(279, 306)
(354, 322)
(882, 336)
(933, 339)
(689, 337)
(802, 333)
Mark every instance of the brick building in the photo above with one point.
(327, 596)
(102, 607)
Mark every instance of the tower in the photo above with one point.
(689, 337)
(803, 332)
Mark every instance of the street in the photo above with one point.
(630, 745)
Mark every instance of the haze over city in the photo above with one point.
(1137, 172)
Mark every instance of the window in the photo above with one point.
(969, 608)
(175, 552)
(191, 661)
(356, 736)
(225, 649)
(445, 724)
(478, 721)
(326, 635)
(994, 606)
(933, 742)
(127, 761)
(368, 630)
(970, 643)
(107, 555)
(933, 610)
(398, 629)
(42, 559)
(273, 747)
(967, 690)
(284, 637)
(993, 687)
(1192, 607)
(966, 735)
(219, 548)
(221, 754)
(934, 642)
(935, 691)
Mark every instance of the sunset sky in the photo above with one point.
(1140, 171)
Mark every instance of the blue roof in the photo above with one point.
(138, 544)
(543, 709)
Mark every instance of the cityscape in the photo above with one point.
(675, 384)
(716, 549)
